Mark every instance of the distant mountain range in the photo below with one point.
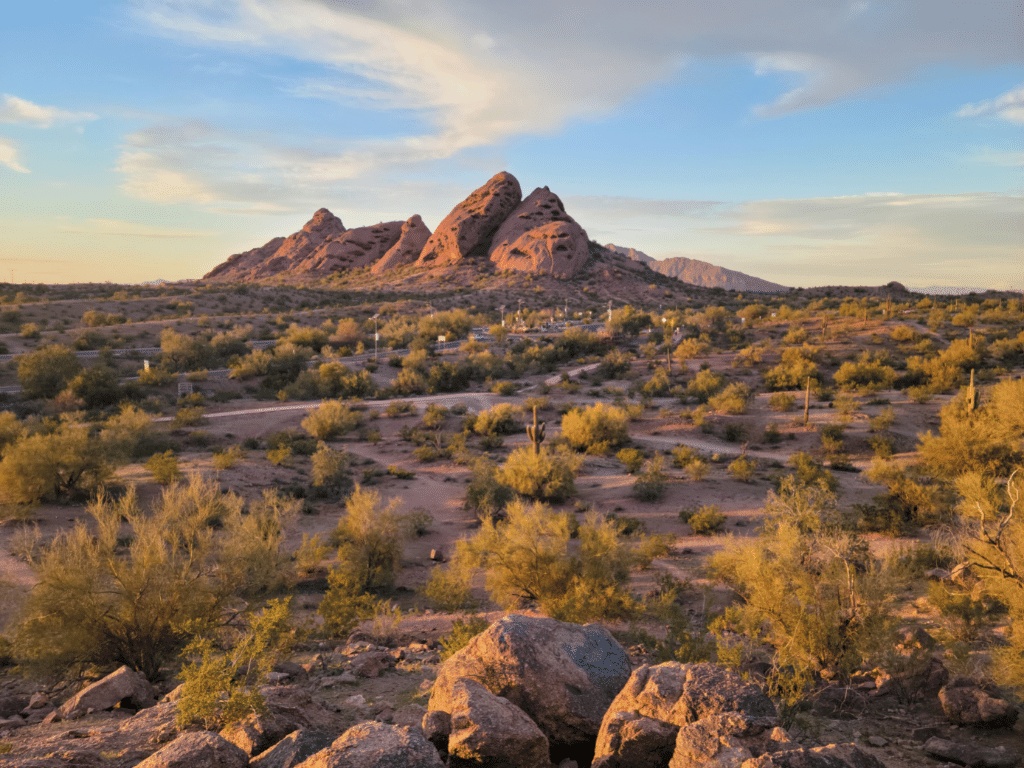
(493, 230)
(701, 273)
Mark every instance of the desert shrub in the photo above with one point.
(546, 475)
(222, 685)
(772, 435)
(497, 420)
(795, 335)
(832, 438)
(596, 429)
(885, 419)
(707, 520)
(280, 457)
(370, 540)
(916, 499)
(733, 433)
(682, 455)
(705, 385)
(344, 605)
(485, 493)
(330, 467)
(650, 484)
(819, 600)
(48, 370)
(692, 348)
(734, 399)
(904, 333)
(781, 402)
(227, 459)
(332, 419)
(867, 374)
(528, 558)
(462, 632)
(252, 556)
(698, 469)
(811, 472)
(450, 589)
(399, 408)
(632, 459)
(743, 469)
(792, 372)
(189, 416)
(66, 463)
(102, 601)
(504, 388)
(883, 445)
(164, 468)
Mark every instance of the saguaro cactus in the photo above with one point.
(535, 432)
(972, 395)
(807, 401)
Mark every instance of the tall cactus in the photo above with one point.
(535, 432)
(807, 401)
(972, 395)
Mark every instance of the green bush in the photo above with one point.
(47, 371)
(222, 686)
(546, 475)
(64, 464)
(632, 459)
(772, 435)
(370, 541)
(650, 484)
(707, 520)
(332, 419)
(485, 493)
(164, 468)
(497, 420)
(330, 467)
(743, 469)
(596, 429)
(781, 402)
(733, 400)
(462, 632)
(705, 385)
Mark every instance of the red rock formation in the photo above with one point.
(540, 237)
(413, 237)
(353, 249)
(472, 223)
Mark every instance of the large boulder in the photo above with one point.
(675, 694)
(541, 238)
(629, 740)
(376, 745)
(492, 731)
(124, 686)
(293, 749)
(473, 222)
(197, 749)
(564, 676)
(727, 739)
(411, 239)
(965, 703)
(970, 754)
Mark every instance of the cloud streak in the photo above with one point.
(1009, 106)
(21, 111)
(9, 156)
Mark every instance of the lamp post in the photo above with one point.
(376, 336)
(502, 308)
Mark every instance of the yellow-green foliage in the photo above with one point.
(189, 416)
(743, 469)
(221, 686)
(135, 586)
(496, 420)
(330, 467)
(45, 372)
(344, 605)
(485, 493)
(48, 466)
(689, 349)
(369, 537)
(707, 520)
(332, 419)
(733, 399)
(252, 555)
(164, 467)
(632, 459)
(650, 484)
(868, 374)
(462, 632)
(230, 457)
(596, 429)
(547, 475)
(818, 600)
(705, 385)
(528, 558)
(781, 402)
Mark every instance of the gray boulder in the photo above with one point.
(563, 676)
(293, 749)
(124, 686)
(629, 740)
(969, 754)
(492, 731)
(376, 745)
(727, 739)
(965, 703)
(832, 756)
(198, 749)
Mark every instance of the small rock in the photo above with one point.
(878, 741)
(356, 701)
(438, 556)
(38, 701)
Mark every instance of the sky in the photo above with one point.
(807, 142)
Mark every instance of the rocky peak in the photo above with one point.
(322, 220)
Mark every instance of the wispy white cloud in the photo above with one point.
(16, 110)
(119, 228)
(1004, 159)
(9, 156)
(1009, 106)
(476, 74)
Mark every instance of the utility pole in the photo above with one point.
(502, 308)
(376, 336)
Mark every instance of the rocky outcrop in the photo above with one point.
(970, 754)
(541, 238)
(490, 730)
(356, 248)
(728, 738)
(280, 254)
(832, 756)
(125, 686)
(411, 239)
(965, 703)
(673, 695)
(376, 745)
(563, 676)
(199, 749)
(293, 749)
(472, 223)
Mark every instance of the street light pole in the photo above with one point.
(376, 336)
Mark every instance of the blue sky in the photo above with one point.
(807, 142)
